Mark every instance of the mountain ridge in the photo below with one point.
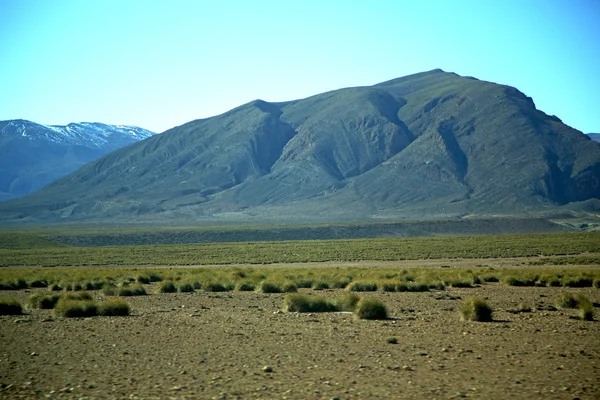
(429, 145)
(33, 155)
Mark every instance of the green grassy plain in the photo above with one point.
(44, 253)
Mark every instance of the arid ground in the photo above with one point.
(240, 345)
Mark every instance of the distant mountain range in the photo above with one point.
(594, 136)
(426, 146)
(33, 155)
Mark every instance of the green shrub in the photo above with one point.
(392, 340)
(490, 278)
(186, 287)
(388, 286)
(566, 300)
(596, 283)
(38, 283)
(245, 286)
(215, 287)
(417, 287)
(514, 281)
(10, 307)
(460, 283)
(346, 302)
(304, 283)
(75, 308)
(340, 283)
(475, 309)
(362, 286)
(289, 287)
(136, 290)
(300, 302)
(167, 287)
(114, 307)
(578, 282)
(320, 285)
(586, 309)
(143, 279)
(55, 287)
(42, 300)
(370, 309)
(268, 287)
(14, 285)
(77, 296)
(93, 285)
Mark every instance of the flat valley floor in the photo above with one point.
(240, 345)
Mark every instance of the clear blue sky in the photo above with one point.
(159, 64)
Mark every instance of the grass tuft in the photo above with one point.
(167, 287)
(136, 290)
(114, 307)
(370, 309)
(586, 309)
(475, 309)
(268, 287)
(10, 307)
(42, 300)
(566, 300)
(75, 308)
(361, 286)
(346, 302)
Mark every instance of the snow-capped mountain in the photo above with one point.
(33, 155)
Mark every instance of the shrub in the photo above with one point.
(370, 309)
(596, 283)
(75, 308)
(55, 287)
(586, 309)
(460, 283)
(167, 287)
(300, 302)
(42, 300)
(490, 278)
(110, 289)
(475, 309)
(38, 283)
(392, 340)
(346, 302)
(340, 283)
(145, 279)
(14, 285)
(78, 296)
(566, 300)
(388, 286)
(304, 283)
(513, 281)
(362, 286)
(417, 287)
(10, 307)
(215, 287)
(186, 287)
(289, 287)
(245, 286)
(268, 287)
(114, 307)
(578, 282)
(137, 290)
(320, 285)
(93, 285)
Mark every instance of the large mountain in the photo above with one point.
(430, 145)
(33, 155)
(594, 136)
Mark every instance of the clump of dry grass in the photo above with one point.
(370, 309)
(114, 307)
(10, 307)
(475, 309)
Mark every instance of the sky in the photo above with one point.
(159, 64)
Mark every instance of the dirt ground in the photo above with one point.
(239, 345)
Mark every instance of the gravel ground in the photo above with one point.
(240, 345)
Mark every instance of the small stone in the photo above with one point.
(267, 368)
(34, 354)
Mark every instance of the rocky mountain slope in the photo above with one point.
(430, 145)
(33, 155)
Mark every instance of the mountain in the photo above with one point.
(430, 145)
(33, 155)
(594, 136)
